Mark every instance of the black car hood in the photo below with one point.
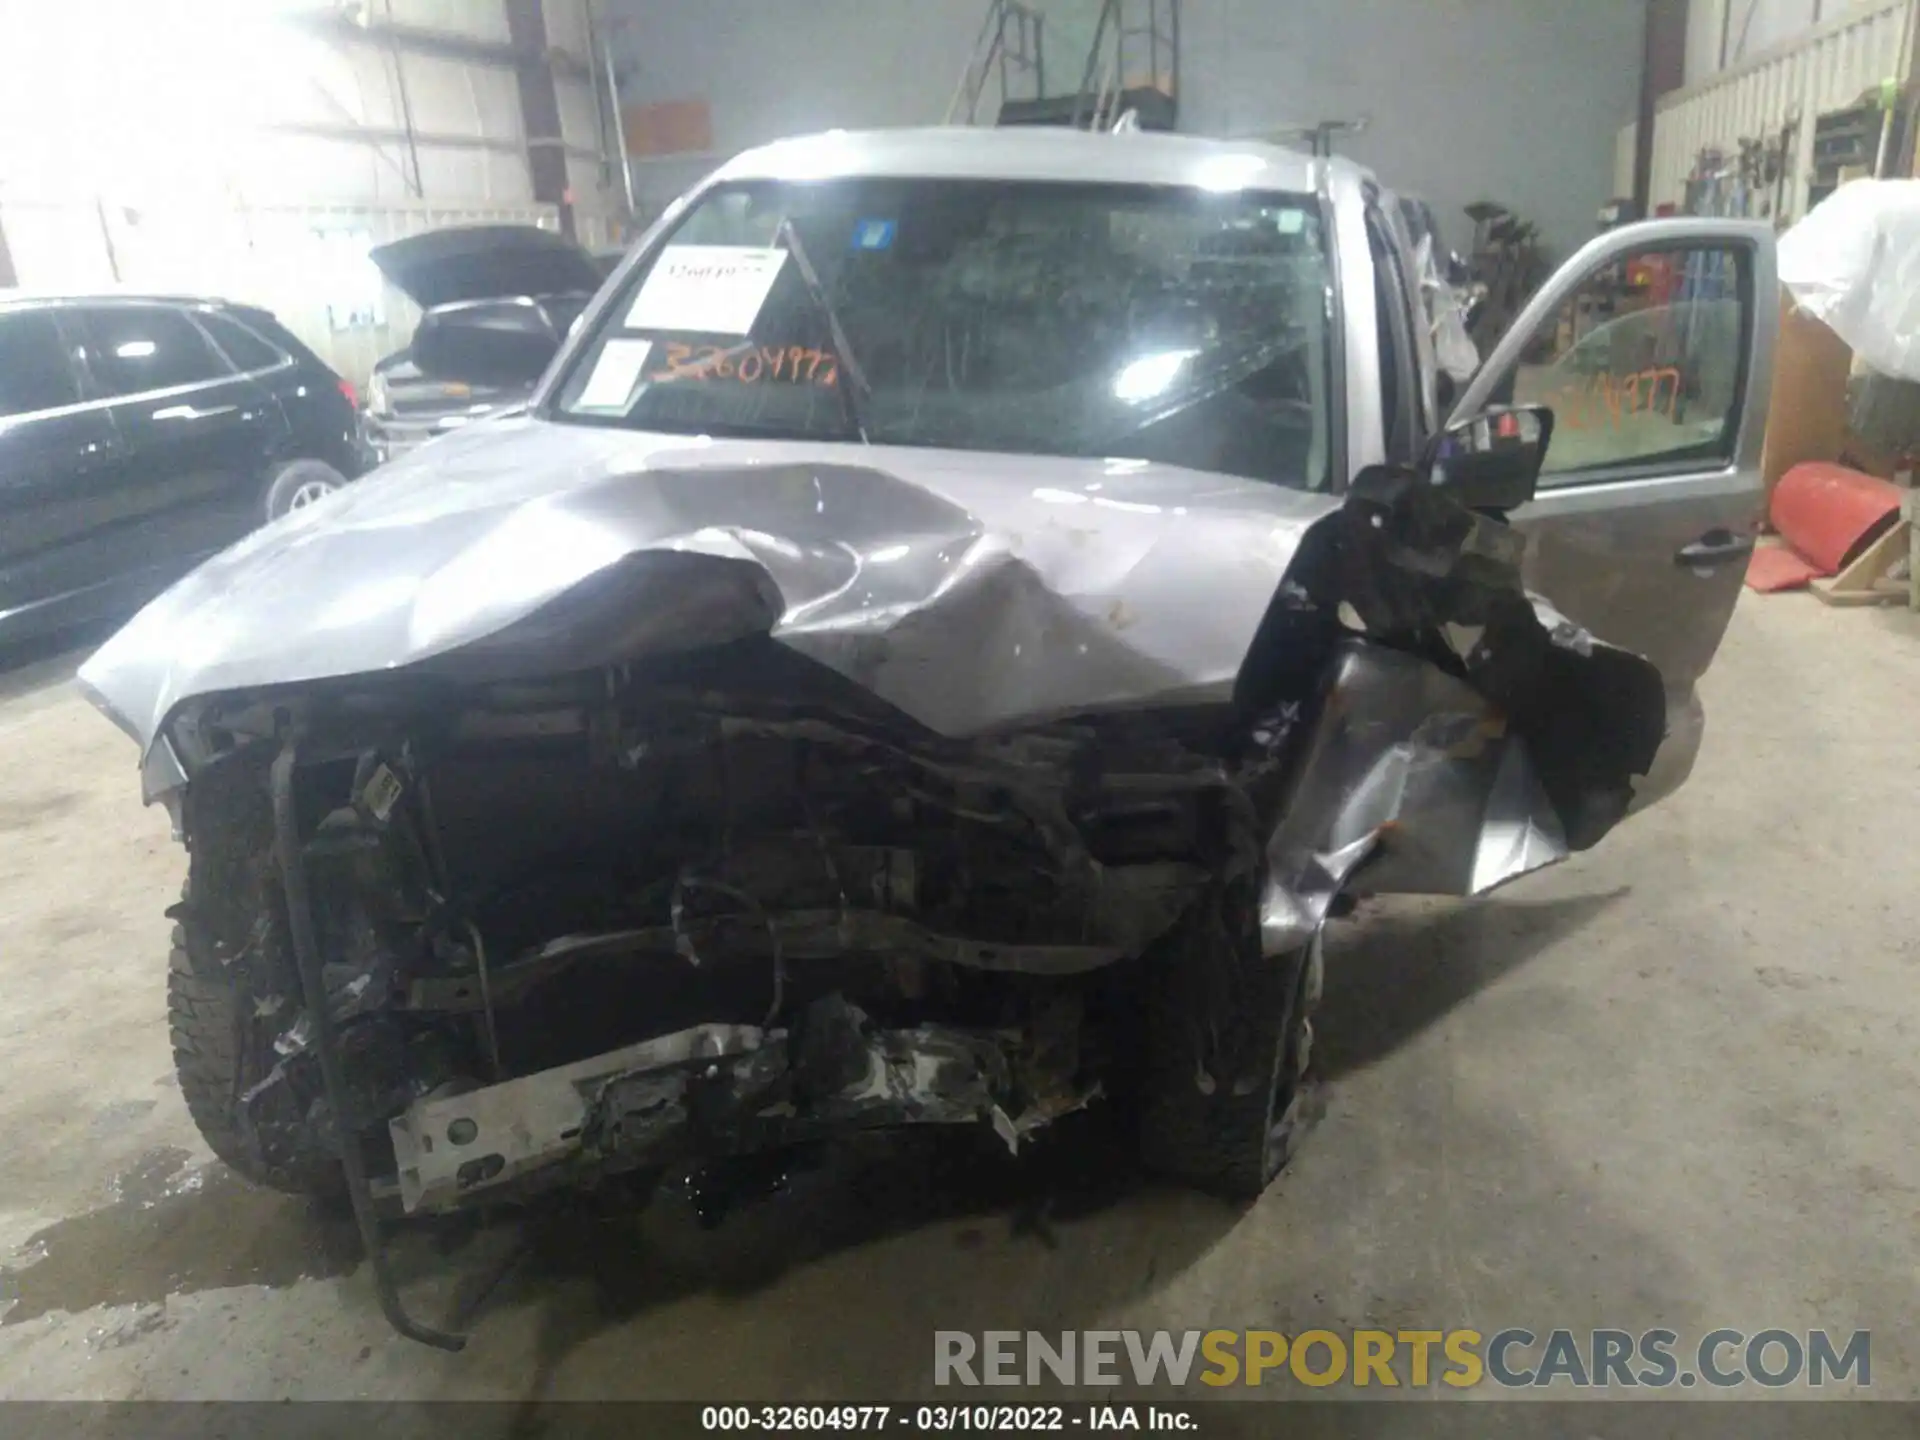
(486, 262)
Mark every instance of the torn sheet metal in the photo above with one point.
(449, 1145)
(1423, 780)
(711, 1089)
(972, 591)
(1412, 784)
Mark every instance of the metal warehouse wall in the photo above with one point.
(1827, 67)
(1511, 99)
(250, 148)
(1723, 34)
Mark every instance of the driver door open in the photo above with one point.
(1654, 348)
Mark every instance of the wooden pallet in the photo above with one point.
(1866, 581)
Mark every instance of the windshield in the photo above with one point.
(1044, 318)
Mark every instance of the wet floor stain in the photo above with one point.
(28, 811)
(173, 1225)
(1061, 1207)
(59, 927)
(119, 1116)
(170, 1228)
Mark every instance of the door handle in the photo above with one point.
(1716, 547)
(192, 412)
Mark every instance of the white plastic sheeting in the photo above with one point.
(1854, 262)
(1827, 69)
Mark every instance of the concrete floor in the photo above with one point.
(1669, 1083)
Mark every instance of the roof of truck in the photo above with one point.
(1035, 153)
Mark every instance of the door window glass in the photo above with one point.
(134, 348)
(1642, 365)
(34, 373)
(244, 348)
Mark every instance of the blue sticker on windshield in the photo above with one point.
(873, 234)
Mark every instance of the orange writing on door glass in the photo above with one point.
(748, 364)
(1606, 399)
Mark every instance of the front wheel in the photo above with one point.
(1228, 1044)
(296, 484)
(219, 1051)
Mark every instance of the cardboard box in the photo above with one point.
(1808, 417)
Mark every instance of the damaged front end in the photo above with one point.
(618, 921)
(484, 927)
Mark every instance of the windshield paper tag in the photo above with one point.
(382, 793)
(615, 373)
(706, 289)
(873, 234)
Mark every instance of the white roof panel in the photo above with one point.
(1032, 153)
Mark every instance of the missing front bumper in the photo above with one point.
(708, 1092)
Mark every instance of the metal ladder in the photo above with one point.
(1113, 60)
(1011, 45)
(1132, 64)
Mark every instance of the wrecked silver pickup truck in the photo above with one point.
(961, 610)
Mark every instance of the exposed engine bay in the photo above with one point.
(769, 908)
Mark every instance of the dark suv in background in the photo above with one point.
(139, 435)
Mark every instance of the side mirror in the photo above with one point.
(1492, 460)
(486, 342)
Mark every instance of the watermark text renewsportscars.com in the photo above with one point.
(1511, 1358)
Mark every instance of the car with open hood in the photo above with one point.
(953, 621)
(471, 265)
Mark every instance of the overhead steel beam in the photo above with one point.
(540, 109)
(391, 135)
(446, 45)
(1663, 63)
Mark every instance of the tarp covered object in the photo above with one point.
(1854, 262)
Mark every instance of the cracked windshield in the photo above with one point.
(1128, 322)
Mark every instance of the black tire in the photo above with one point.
(207, 1041)
(295, 482)
(1228, 1136)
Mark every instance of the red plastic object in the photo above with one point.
(1777, 567)
(1829, 513)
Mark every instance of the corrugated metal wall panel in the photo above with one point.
(453, 17)
(567, 29)
(1828, 69)
(579, 113)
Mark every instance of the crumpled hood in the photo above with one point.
(970, 590)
